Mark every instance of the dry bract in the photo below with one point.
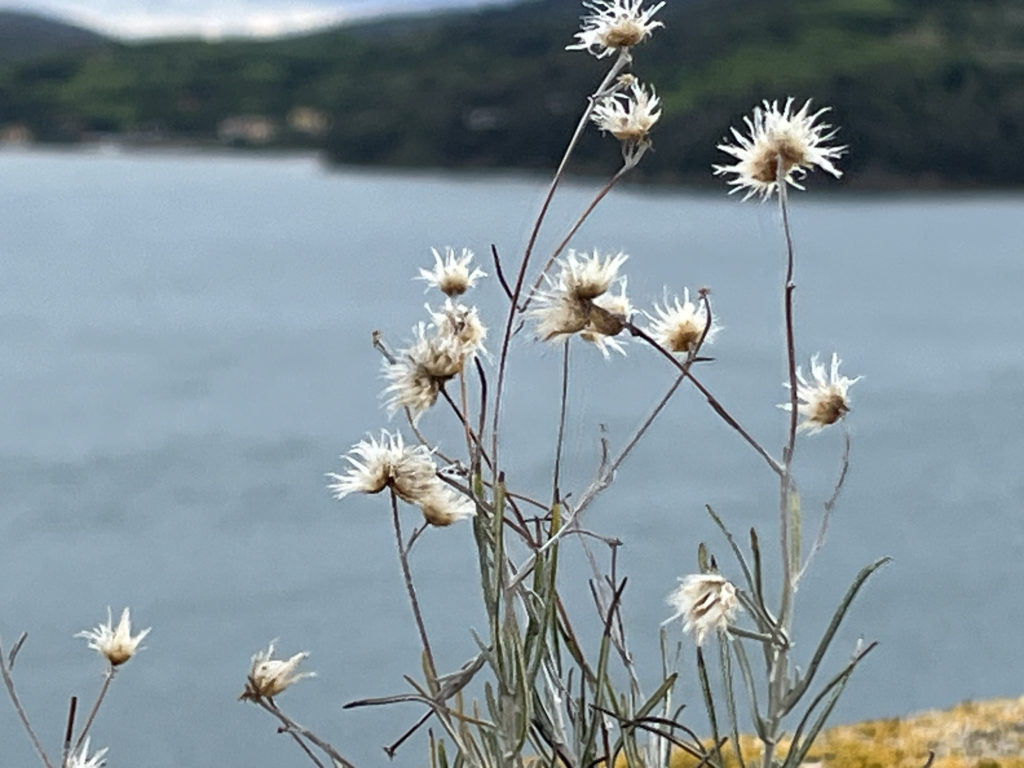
(115, 643)
(269, 676)
(793, 138)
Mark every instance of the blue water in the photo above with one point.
(184, 352)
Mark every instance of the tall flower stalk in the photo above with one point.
(535, 690)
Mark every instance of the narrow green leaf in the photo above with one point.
(837, 618)
(709, 704)
(735, 548)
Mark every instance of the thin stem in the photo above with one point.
(684, 368)
(403, 559)
(830, 505)
(111, 671)
(786, 482)
(778, 657)
(9, 682)
(472, 439)
(620, 63)
(563, 407)
(572, 232)
(609, 470)
(295, 731)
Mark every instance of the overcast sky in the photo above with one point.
(217, 18)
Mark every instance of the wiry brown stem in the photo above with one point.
(572, 232)
(403, 559)
(298, 733)
(111, 670)
(5, 669)
(620, 63)
(684, 369)
(786, 481)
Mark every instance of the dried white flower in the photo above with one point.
(629, 117)
(558, 314)
(587, 276)
(375, 465)
(116, 644)
(825, 399)
(269, 676)
(608, 314)
(678, 327)
(441, 350)
(81, 759)
(579, 302)
(444, 506)
(460, 325)
(706, 602)
(776, 135)
(451, 274)
(615, 24)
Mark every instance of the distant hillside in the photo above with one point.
(27, 35)
(927, 92)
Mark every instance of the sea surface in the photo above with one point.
(185, 352)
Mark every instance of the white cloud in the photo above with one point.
(219, 18)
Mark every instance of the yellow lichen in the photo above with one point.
(985, 734)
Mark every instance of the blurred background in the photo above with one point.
(206, 209)
(930, 92)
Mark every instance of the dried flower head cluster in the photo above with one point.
(442, 348)
(581, 301)
(81, 759)
(794, 139)
(408, 470)
(615, 25)
(269, 676)
(629, 116)
(116, 644)
(680, 326)
(706, 602)
(451, 274)
(824, 400)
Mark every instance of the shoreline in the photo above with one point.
(869, 184)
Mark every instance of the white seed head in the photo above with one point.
(824, 399)
(678, 326)
(794, 139)
(460, 326)
(628, 116)
(451, 274)
(81, 759)
(117, 644)
(587, 276)
(386, 463)
(269, 676)
(614, 25)
(444, 506)
(706, 602)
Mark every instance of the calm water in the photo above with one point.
(185, 352)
